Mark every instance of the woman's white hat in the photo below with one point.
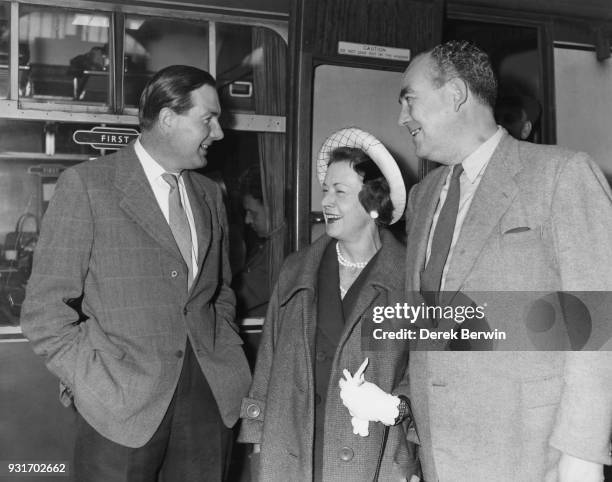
(354, 137)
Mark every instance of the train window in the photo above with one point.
(154, 43)
(576, 107)
(249, 61)
(67, 65)
(515, 57)
(67, 55)
(5, 49)
(235, 57)
(27, 181)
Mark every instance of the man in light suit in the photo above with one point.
(520, 217)
(156, 371)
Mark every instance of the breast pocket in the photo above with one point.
(522, 235)
(541, 391)
(518, 226)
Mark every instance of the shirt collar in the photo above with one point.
(153, 170)
(476, 162)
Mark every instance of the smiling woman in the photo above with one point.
(362, 195)
(356, 200)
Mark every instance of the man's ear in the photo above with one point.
(459, 90)
(166, 119)
(526, 130)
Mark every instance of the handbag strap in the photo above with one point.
(381, 454)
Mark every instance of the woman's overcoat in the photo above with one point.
(279, 412)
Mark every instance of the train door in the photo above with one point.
(347, 67)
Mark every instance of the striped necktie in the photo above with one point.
(179, 225)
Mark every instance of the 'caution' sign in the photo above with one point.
(105, 137)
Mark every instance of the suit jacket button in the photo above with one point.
(185, 311)
(317, 399)
(174, 273)
(321, 356)
(179, 354)
(346, 454)
(253, 411)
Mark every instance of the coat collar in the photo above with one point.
(302, 271)
(386, 275)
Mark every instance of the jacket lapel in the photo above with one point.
(139, 203)
(492, 199)
(420, 227)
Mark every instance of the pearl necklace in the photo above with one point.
(345, 262)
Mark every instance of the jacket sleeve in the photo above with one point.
(582, 231)
(225, 302)
(254, 406)
(61, 261)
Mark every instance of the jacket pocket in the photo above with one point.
(542, 391)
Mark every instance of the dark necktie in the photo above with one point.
(177, 219)
(431, 278)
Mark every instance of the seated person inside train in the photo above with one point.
(252, 283)
(94, 60)
(518, 114)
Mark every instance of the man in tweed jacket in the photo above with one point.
(156, 371)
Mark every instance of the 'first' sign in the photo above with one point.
(106, 137)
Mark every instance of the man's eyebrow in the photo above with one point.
(403, 93)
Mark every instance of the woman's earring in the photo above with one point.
(374, 214)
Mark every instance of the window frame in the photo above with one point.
(114, 112)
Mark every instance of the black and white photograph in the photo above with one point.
(306, 241)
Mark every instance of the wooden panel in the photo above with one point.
(392, 23)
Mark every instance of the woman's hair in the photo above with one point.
(375, 193)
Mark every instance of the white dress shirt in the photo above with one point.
(474, 167)
(161, 190)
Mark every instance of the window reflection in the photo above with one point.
(67, 55)
(154, 43)
(27, 180)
